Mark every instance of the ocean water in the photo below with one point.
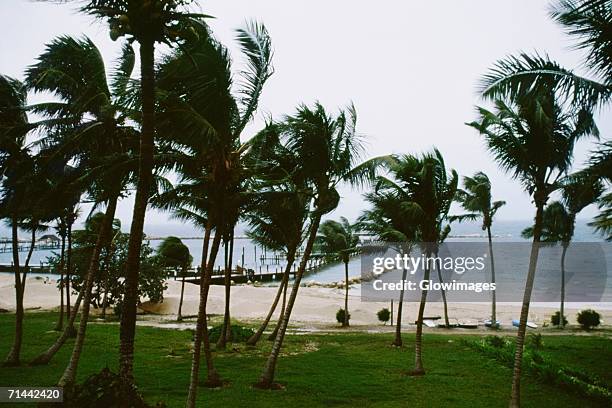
(250, 256)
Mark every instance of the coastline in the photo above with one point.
(315, 305)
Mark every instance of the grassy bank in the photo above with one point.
(319, 370)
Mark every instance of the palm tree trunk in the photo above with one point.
(398, 327)
(179, 315)
(493, 301)
(227, 316)
(446, 322)
(27, 261)
(255, 337)
(222, 342)
(71, 328)
(45, 357)
(107, 260)
(562, 305)
(418, 342)
(346, 293)
(60, 323)
(69, 374)
(145, 178)
(267, 375)
(272, 335)
(201, 332)
(13, 358)
(515, 399)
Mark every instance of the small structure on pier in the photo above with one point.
(49, 240)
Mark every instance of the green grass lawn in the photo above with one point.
(353, 369)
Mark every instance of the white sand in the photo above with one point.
(314, 305)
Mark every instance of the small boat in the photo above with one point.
(531, 325)
(430, 323)
(489, 323)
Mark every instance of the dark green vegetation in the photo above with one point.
(318, 370)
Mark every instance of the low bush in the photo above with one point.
(238, 334)
(340, 316)
(588, 319)
(384, 315)
(555, 319)
(534, 341)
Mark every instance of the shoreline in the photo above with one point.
(315, 306)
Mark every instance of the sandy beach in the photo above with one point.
(314, 306)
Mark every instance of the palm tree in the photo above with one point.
(338, 242)
(17, 166)
(87, 125)
(600, 167)
(426, 191)
(532, 137)
(391, 220)
(277, 222)
(148, 23)
(329, 149)
(174, 254)
(205, 120)
(559, 220)
(589, 21)
(476, 198)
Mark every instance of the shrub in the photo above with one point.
(588, 319)
(340, 316)
(554, 319)
(535, 341)
(103, 389)
(495, 341)
(384, 315)
(238, 334)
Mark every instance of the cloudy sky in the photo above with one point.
(410, 67)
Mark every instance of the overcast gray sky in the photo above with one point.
(410, 67)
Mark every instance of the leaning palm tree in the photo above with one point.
(204, 120)
(277, 221)
(172, 253)
(475, 197)
(390, 220)
(337, 241)
(559, 220)
(329, 149)
(532, 137)
(87, 126)
(589, 21)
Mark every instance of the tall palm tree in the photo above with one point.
(532, 137)
(148, 23)
(17, 166)
(329, 149)
(589, 23)
(205, 120)
(279, 210)
(427, 190)
(174, 254)
(475, 197)
(338, 242)
(86, 125)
